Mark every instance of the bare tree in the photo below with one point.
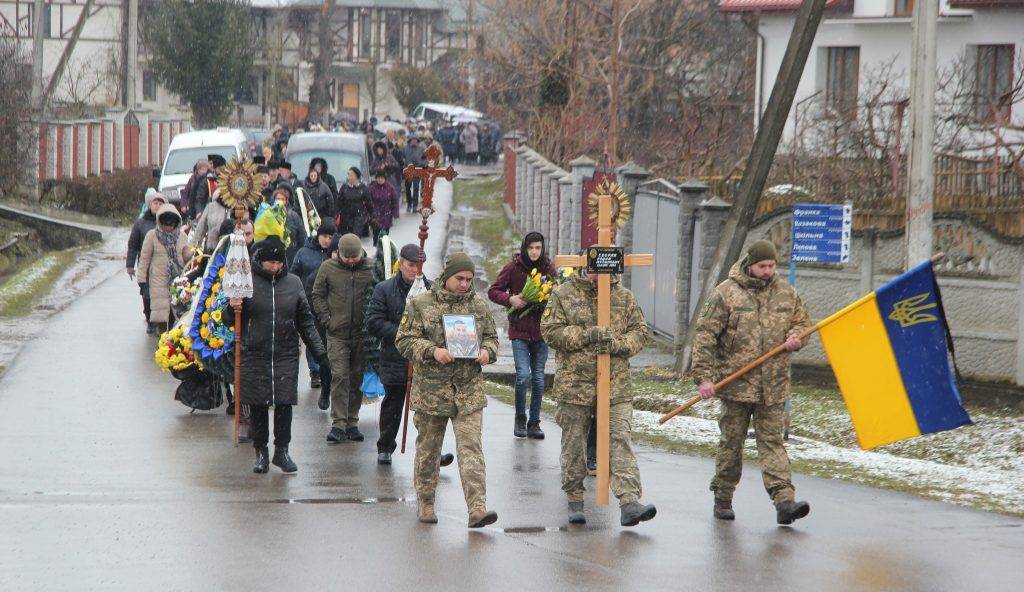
(16, 120)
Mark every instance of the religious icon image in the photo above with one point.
(460, 336)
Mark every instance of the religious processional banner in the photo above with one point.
(889, 353)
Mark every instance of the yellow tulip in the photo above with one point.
(209, 302)
(206, 317)
(221, 272)
(216, 288)
(204, 332)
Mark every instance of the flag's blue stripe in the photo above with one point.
(920, 351)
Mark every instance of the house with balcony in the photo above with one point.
(856, 37)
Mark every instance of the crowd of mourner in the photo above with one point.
(372, 328)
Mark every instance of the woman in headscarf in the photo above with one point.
(273, 320)
(528, 348)
(165, 251)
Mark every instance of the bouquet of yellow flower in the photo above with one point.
(212, 331)
(535, 292)
(174, 351)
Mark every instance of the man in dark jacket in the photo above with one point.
(383, 315)
(275, 317)
(413, 156)
(204, 192)
(307, 262)
(339, 299)
(142, 226)
(188, 193)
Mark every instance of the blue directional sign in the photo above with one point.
(821, 233)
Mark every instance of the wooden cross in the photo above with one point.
(605, 230)
(429, 174)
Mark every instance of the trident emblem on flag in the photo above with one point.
(910, 311)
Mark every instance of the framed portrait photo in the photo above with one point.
(460, 336)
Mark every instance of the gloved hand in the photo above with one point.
(598, 335)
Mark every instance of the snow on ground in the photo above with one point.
(984, 467)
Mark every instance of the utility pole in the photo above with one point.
(762, 153)
(37, 54)
(133, 55)
(613, 91)
(921, 176)
(37, 92)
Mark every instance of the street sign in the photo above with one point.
(821, 233)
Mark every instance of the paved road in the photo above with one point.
(109, 484)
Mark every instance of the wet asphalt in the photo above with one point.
(107, 483)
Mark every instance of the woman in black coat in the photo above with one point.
(355, 208)
(273, 320)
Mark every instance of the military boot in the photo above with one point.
(262, 464)
(282, 460)
(634, 513)
(533, 431)
(447, 459)
(787, 512)
(425, 512)
(520, 429)
(481, 518)
(723, 510)
(576, 515)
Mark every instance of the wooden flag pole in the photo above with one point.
(778, 349)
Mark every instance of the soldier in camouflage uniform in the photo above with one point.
(569, 326)
(445, 388)
(748, 314)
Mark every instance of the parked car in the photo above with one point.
(189, 147)
(438, 112)
(341, 150)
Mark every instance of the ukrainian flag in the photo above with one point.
(888, 352)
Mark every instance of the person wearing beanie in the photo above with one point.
(449, 388)
(305, 266)
(748, 314)
(340, 292)
(275, 317)
(568, 325)
(528, 348)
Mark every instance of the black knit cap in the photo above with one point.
(269, 249)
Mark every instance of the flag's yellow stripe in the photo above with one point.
(858, 348)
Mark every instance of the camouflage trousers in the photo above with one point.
(347, 364)
(575, 423)
(769, 424)
(469, 451)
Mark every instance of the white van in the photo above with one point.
(189, 147)
(435, 112)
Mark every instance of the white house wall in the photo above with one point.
(880, 39)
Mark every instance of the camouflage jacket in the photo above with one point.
(444, 389)
(570, 313)
(745, 318)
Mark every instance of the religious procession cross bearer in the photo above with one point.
(429, 174)
(604, 258)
